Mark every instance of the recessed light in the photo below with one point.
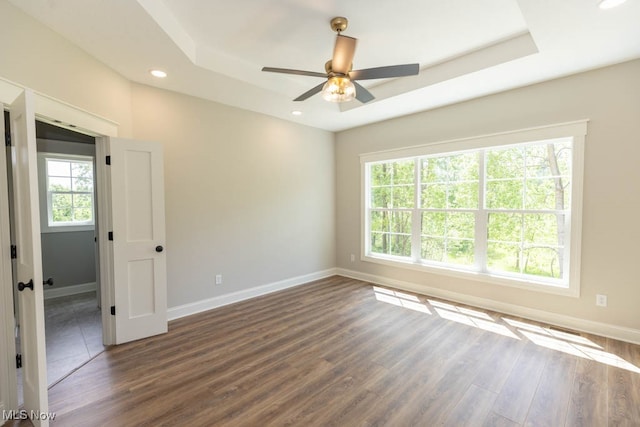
(158, 73)
(296, 112)
(609, 4)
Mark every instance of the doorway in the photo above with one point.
(130, 239)
(73, 324)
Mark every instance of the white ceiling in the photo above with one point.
(215, 49)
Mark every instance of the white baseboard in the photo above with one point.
(603, 329)
(219, 301)
(64, 291)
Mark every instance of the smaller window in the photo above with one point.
(69, 187)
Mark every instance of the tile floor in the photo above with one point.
(74, 333)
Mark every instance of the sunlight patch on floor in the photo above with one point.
(581, 351)
(563, 341)
(400, 299)
(475, 318)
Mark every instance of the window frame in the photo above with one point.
(45, 196)
(576, 131)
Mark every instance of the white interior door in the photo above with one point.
(8, 378)
(29, 260)
(138, 226)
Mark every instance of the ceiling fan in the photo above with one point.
(341, 84)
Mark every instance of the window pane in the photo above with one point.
(82, 214)
(448, 237)
(61, 215)
(61, 201)
(563, 152)
(434, 196)
(58, 168)
(463, 195)
(463, 167)
(391, 233)
(82, 200)
(82, 170)
(388, 221)
(505, 163)
(403, 172)
(460, 251)
(541, 261)
(504, 194)
(381, 174)
(542, 229)
(381, 197)
(541, 194)
(538, 161)
(505, 227)
(82, 184)
(433, 249)
(433, 223)
(434, 169)
(61, 208)
(503, 257)
(403, 196)
(461, 225)
(59, 184)
(400, 245)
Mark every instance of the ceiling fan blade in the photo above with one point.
(362, 94)
(310, 92)
(343, 54)
(384, 72)
(297, 72)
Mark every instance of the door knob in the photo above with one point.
(49, 281)
(159, 248)
(22, 286)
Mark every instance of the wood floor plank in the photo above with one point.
(551, 400)
(514, 399)
(624, 384)
(472, 409)
(336, 353)
(495, 420)
(588, 404)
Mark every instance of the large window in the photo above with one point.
(495, 212)
(69, 190)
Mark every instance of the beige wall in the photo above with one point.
(247, 196)
(610, 98)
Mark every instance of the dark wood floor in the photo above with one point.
(341, 352)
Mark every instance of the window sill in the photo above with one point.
(488, 278)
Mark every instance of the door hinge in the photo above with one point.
(18, 361)
(113, 310)
(111, 235)
(108, 160)
(14, 252)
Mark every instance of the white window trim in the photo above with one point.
(576, 130)
(44, 199)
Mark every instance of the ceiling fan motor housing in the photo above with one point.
(339, 24)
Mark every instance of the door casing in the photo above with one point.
(61, 114)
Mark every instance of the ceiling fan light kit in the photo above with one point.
(341, 85)
(339, 89)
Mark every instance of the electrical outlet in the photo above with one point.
(601, 300)
(353, 257)
(218, 279)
